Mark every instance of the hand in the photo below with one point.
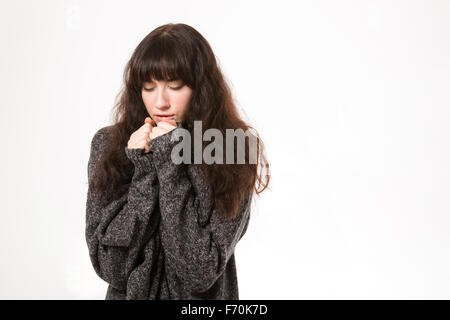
(162, 128)
(141, 137)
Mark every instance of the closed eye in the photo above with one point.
(175, 88)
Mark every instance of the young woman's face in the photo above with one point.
(166, 100)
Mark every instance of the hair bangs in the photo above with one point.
(162, 63)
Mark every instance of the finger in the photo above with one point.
(151, 122)
(146, 127)
(172, 122)
(157, 131)
(167, 125)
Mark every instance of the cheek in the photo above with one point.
(184, 101)
(182, 106)
(146, 101)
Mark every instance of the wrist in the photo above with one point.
(141, 160)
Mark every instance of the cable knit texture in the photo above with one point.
(163, 239)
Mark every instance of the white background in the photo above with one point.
(350, 97)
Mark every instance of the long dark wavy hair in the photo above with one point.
(172, 52)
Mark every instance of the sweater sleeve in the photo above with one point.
(115, 231)
(197, 241)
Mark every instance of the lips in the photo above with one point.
(164, 116)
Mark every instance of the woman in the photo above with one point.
(156, 229)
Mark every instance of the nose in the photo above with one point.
(162, 103)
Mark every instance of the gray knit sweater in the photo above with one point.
(162, 239)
